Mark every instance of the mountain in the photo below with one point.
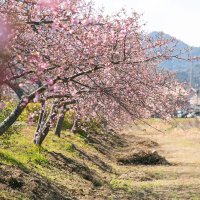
(184, 69)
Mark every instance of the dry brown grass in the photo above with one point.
(179, 142)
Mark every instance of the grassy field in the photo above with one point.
(82, 167)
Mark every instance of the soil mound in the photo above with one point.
(140, 157)
(32, 186)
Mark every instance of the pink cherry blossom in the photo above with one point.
(106, 66)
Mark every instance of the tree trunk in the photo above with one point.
(42, 135)
(41, 119)
(5, 125)
(18, 91)
(43, 132)
(60, 121)
(75, 124)
(59, 124)
(41, 116)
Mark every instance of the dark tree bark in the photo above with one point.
(41, 117)
(5, 125)
(60, 120)
(18, 91)
(43, 132)
(8, 122)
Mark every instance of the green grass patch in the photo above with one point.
(125, 185)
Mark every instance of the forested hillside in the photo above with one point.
(184, 69)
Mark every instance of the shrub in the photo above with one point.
(32, 110)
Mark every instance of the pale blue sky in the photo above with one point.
(179, 18)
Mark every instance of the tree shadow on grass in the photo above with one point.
(61, 162)
(19, 180)
(11, 160)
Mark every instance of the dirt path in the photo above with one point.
(180, 144)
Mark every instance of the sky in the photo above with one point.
(179, 18)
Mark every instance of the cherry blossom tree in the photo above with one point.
(99, 66)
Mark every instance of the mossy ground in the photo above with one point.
(86, 173)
